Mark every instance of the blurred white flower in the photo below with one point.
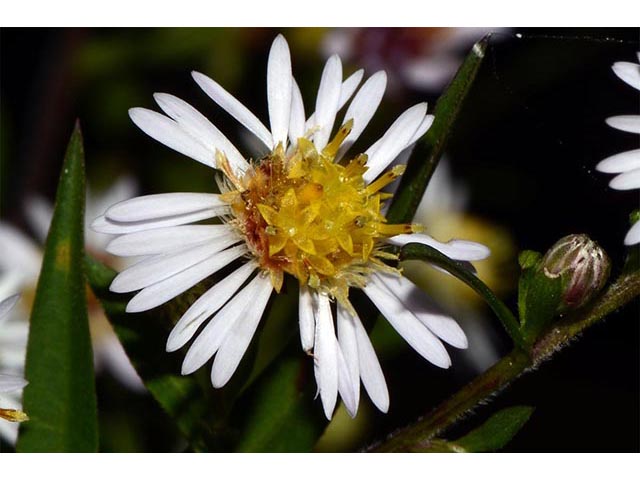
(626, 164)
(297, 211)
(12, 344)
(20, 268)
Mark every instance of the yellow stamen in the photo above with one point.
(386, 179)
(332, 148)
(13, 415)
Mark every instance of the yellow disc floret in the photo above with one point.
(304, 214)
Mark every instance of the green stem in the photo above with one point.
(417, 251)
(418, 436)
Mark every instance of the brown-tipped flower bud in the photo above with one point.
(583, 266)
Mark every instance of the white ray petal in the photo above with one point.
(362, 108)
(621, 162)
(325, 355)
(370, 370)
(157, 268)
(208, 304)
(239, 337)
(407, 325)
(626, 123)
(152, 207)
(296, 119)
(7, 304)
(279, 87)
(25, 258)
(347, 387)
(123, 188)
(13, 360)
(395, 139)
(628, 72)
(9, 430)
(197, 125)
(163, 240)
(626, 181)
(348, 343)
(234, 108)
(305, 318)
(104, 225)
(165, 290)
(15, 332)
(327, 101)
(10, 383)
(207, 343)
(422, 129)
(456, 249)
(425, 309)
(170, 133)
(633, 235)
(112, 354)
(348, 87)
(39, 213)
(10, 283)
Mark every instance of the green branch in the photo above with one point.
(418, 251)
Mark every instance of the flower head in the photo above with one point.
(582, 265)
(625, 164)
(307, 209)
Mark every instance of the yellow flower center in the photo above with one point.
(304, 214)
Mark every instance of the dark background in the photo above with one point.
(526, 145)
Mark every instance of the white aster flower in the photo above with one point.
(20, 268)
(11, 381)
(297, 211)
(625, 164)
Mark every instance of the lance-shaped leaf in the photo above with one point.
(496, 432)
(418, 251)
(492, 435)
(430, 148)
(60, 398)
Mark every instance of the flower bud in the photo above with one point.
(583, 266)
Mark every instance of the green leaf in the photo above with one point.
(430, 148)
(492, 435)
(190, 401)
(60, 398)
(538, 298)
(528, 259)
(278, 413)
(496, 432)
(418, 251)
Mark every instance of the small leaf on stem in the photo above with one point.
(496, 432)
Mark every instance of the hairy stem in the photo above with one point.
(417, 437)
